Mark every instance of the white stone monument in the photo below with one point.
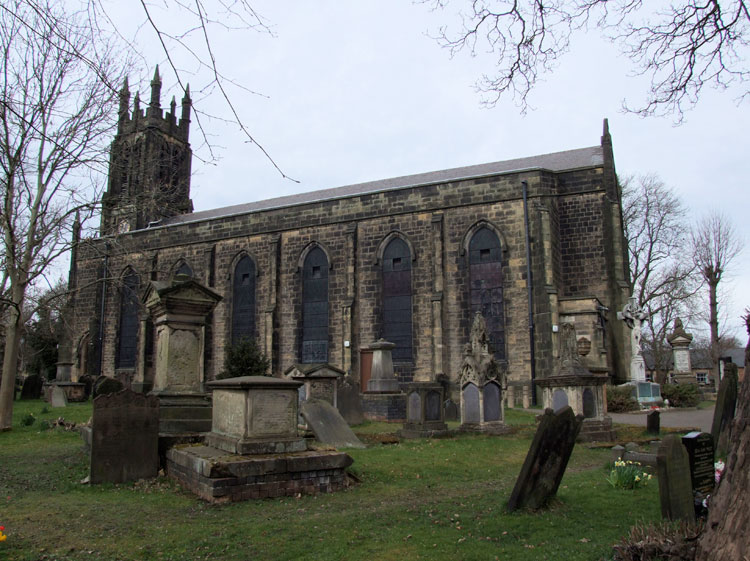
(634, 316)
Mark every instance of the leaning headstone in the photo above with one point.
(32, 387)
(58, 397)
(675, 489)
(653, 423)
(125, 437)
(726, 403)
(328, 426)
(546, 460)
(349, 401)
(104, 385)
(700, 449)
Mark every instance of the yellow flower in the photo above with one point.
(3, 537)
(637, 478)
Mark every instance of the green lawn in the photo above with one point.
(421, 499)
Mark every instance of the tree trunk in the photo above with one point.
(713, 322)
(725, 536)
(10, 365)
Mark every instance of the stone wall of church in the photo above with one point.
(568, 245)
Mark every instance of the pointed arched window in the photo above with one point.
(486, 285)
(397, 309)
(243, 300)
(184, 269)
(315, 307)
(128, 329)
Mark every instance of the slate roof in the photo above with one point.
(557, 162)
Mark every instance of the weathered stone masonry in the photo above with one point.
(577, 260)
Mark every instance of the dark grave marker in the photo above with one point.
(653, 422)
(349, 402)
(32, 387)
(559, 399)
(491, 401)
(700, 449)
(546, 460)
(125, 437)
(450, 410)
(589, 404)
(327, 424)
(432, 406)
(675, 490)
(470, 404)
(414, 408)
(726, 403)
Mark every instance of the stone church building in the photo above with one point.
(316, 277)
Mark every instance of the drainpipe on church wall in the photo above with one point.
(530, 289)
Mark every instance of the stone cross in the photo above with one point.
(634, 316)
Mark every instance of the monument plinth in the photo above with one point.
(576, 386)
(680, 341)
(179, 310)
(253, 449)
(383, 400)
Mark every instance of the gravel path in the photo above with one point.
(693, 418)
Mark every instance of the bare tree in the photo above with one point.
(683, 46)
(56, 117)
(183, 32)
(655, 224)
(715, 244)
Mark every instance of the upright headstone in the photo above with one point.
(328, 426)
(700, 449)
(32, 387)
(125, 437)
(726, 404)
(675, 489)
(58, 397)
(546, 459)
(653, 422)
(104, 385)
(349, 401)
(450, 410)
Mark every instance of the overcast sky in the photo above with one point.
(358, 91)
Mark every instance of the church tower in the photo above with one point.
(149, 167)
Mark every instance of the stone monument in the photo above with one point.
(634, 316)
(575, 386)
(675, 488)
(680, 341)
(383, 400)
(178, 310)
(482, 384)
(425, 416)
(253, 449)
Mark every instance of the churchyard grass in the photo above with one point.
(421, 499)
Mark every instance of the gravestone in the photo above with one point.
(653, 422)
(32, 387)
(675, 489)
(726, 403)
(424, 412)
(700, 449)
(559, 399)
(58, 397)
(349, 401)
(470, 404)
(328, 426)
(450, 410)
(546, 459)
(125, 437)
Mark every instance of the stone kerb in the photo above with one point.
(255, 415)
